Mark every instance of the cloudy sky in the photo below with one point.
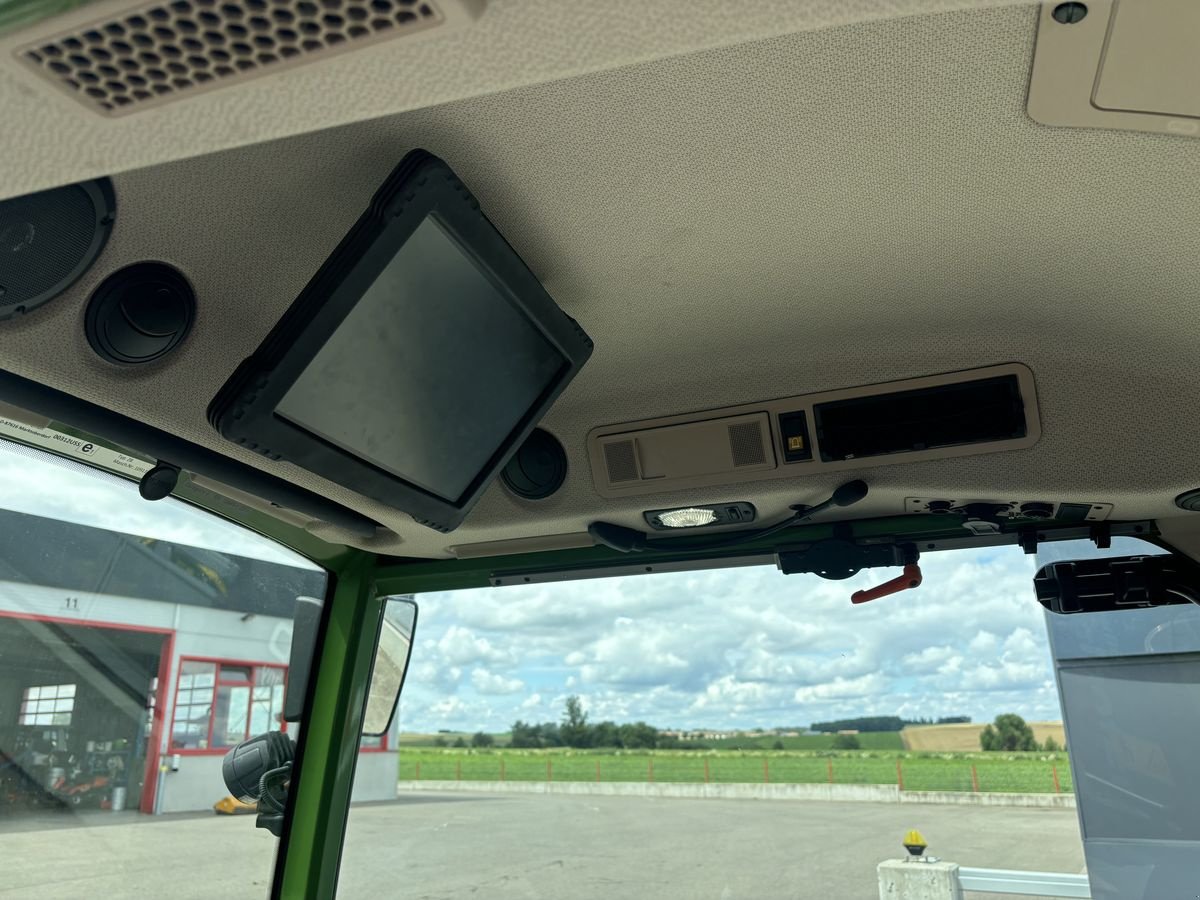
(728, 648)
(736, 648)
(35, 482)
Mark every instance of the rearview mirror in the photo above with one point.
(391, 663)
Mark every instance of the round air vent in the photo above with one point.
(49, 239)
(140, 313)
(538, 468)
(1189, 500)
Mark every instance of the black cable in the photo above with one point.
(266, 793)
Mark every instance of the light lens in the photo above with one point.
(689, 517)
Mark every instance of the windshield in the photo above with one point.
(139, 642)
(732, 733)
(729, 733)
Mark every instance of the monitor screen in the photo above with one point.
(430, 371)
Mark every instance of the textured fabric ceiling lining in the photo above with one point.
(515, 43)
(806, 213)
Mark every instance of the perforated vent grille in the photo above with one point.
(621, 462)
(160, 52)
(746, 444)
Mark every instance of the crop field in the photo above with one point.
(1007, 772)
(966, 737)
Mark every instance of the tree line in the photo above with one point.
(1009, 732)
(883, 723)
(576, 731)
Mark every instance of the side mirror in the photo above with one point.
(391, 663)
(306, 622)
(259, 769)
(387, 674)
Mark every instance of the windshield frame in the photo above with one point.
(309, 854)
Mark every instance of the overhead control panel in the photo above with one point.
(956, 414)
(990, 516)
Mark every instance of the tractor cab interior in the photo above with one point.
(485, 295)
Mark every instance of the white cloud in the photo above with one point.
(486, 682)
(461, 646)
(1002, 675)
(446, 708)
(930, 659)
(983, 643)
(1022, 644)
(842, 689)
(645, 655)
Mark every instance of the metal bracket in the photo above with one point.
(1107, 584)
(1101, 534)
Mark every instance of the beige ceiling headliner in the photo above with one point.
(804, 213)
(514, 43)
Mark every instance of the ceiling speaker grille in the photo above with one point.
(621, 461)
(746, 444)
(158, 53)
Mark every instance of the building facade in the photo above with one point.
(129, 666)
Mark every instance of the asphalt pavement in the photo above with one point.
(446, 847)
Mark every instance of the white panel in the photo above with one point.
(1151, 62)
(697, 449)
(1149, 68)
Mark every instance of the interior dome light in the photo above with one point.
(689, 517)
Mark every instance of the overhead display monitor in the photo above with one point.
(415, 361)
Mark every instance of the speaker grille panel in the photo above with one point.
(746, 444)
(157, 53)
(621, 462)
(47, 240)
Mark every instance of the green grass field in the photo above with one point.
(1007, 772)
(870, 740)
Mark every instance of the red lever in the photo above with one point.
(910, 579)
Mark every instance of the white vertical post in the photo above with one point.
(900, 879)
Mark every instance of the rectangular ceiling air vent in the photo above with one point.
(956, 414)
(166, 51)
(621, 460)
(747, 444)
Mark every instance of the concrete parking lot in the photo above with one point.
(535, 846)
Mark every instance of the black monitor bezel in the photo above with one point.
(421, 186)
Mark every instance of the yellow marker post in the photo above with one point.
(915, 843)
